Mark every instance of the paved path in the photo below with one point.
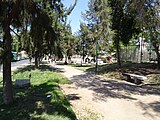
(108, 99)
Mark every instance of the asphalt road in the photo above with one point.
(16, 64)
(21, 62)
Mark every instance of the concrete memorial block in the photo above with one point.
(22, 83)
(137, 79)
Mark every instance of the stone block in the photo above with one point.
(22, 83)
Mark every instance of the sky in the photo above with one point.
(75, 16)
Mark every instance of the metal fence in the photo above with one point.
(138, 54)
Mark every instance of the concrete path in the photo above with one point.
(105, 99)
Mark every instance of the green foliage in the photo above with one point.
(87, 41)
(98, 26)
(43, 29)
(16, 44)
(148, 19)
(99, 19)
(82, 67)
(123, 24)
(123, 20)
(103, 13)
(44, 18)
(68, 43)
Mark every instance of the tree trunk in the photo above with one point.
(118, 52)
(36, 60)
(66, 58)
(158, 56)
(7, 82)
(155, 47)
(158, 60)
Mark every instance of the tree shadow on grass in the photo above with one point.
(135, 68)
(41, 68)
(35, 102)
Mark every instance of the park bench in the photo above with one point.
(137, 79)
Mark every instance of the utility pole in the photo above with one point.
(96, 68)
(141, 53)
(83, 51)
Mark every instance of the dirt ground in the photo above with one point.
(96, 98)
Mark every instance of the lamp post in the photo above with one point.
(83, 51)
(96, 67)
(141, 45)
(83, 45)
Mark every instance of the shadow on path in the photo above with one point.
(106, 88)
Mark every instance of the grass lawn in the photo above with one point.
(146, 69)
(114, 72)
(42, 101)
(83, 67)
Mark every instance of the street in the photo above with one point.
(14, 65)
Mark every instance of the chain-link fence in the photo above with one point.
(138, 54)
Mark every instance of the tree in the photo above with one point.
(85, 42)
(98, 23)
(66, 40)
(42, 35)
(148, 18)
(66, 43)
(123, 23)
(103, 11)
